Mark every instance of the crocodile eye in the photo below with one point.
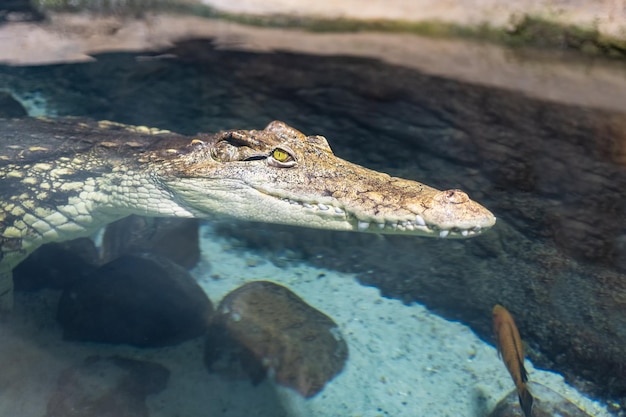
(281, 158)
(280, 155)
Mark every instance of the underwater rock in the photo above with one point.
(102, 387)
(225, 356)
(173, 238)
(548, 403)
(143, 301)
(56, 265)
(273, 329)
(9, 106)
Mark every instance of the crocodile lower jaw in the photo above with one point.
(415, 226)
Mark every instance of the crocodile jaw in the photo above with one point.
(236, 199)
(434, 214)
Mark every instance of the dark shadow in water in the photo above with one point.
(553, 174)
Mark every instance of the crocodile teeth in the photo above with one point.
(401, 225)
(320, 206)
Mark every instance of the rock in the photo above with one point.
(173, 238)
(547, 403)
(232, 360)
(56, 265)
(268, 327)
(105, 387)
(138, 300)
(9, 106)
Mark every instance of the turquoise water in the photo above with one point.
(552, 173)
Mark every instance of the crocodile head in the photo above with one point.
(279, 175)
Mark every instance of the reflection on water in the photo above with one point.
(553, 174)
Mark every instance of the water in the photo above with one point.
(552, 172)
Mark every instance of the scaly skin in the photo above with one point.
(65, 178)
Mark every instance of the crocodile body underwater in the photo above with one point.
(68, 177)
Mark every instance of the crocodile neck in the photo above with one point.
(86, 182)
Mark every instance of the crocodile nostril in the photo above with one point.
(455, 196)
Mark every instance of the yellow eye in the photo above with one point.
(281, 158)
(280, 155)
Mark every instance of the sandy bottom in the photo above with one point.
(404, 361)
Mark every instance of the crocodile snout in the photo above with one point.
(453, 197)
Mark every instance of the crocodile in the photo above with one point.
(65, 178)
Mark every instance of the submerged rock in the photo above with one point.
(547, 403)
(103, 387)
(173, 238)
(9, 106)
(229, 358)
(138, 300)
(56, 265)
(264, 326)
